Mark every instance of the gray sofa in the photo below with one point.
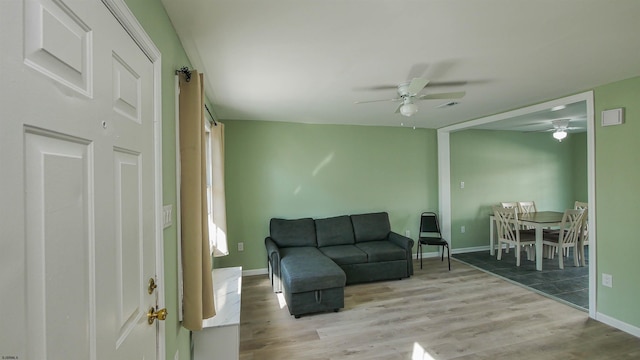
(310, 261)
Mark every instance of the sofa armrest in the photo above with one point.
(405, 243)
(273, 264)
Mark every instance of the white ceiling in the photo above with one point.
(309, 61)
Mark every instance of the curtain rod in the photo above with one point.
(214, 120)
(187, 76)
(187, 73)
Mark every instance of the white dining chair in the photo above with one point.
(526, 207)
(581, 205)
(584, 240)
(567, 237)
(510, 233)
(509, 205)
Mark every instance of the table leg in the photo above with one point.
(539, 247)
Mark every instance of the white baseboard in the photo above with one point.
(432, 254)
(456, 251)
(470, 249)
(253, 272)
(633, 330)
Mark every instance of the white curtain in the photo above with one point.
(215, 186)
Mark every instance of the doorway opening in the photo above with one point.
(444, 169)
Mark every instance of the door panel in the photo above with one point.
(126, 90)
(77, 191)
(58, 246)
(58, 44)
(129, 258)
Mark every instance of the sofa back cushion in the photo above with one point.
(288, 233)
(334, 231)
(371, 227)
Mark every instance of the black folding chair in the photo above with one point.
(430, 235)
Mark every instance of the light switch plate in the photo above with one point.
(167, 216)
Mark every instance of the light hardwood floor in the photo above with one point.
(436, 314)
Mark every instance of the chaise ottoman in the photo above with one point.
(311, 282)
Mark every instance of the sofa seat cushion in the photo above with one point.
(382, 251)
(334, 231)
(345, 254)
(308, 269)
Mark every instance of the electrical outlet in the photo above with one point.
(461, 184)
(462, 229)
(407, 233)
(240, 246)
(607, 280)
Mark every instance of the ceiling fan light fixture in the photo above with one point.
(559, 135)
(408, 109)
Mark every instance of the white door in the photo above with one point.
(77, 207)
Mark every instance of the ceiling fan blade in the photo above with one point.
(416, 85)
(560, 123)
(447, 83)
(418, 70)
(538, 131)
(431, 84)
(380, 87)
(398, 109)
(370, 101)
(451, 95)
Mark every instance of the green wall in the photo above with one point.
(501, 166)
(154, 20)
(579, 167)
(618, 201)
(288, 170)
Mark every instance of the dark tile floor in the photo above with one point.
(570, 285)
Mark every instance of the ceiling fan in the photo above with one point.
(560, 127)
(556, 124)
(408, 94)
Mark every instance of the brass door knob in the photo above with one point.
(152, 315)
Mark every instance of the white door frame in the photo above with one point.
(125, 17)
(444, 173)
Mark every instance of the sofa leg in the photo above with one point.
(296, 316)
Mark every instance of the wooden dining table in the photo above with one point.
(538, 220)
